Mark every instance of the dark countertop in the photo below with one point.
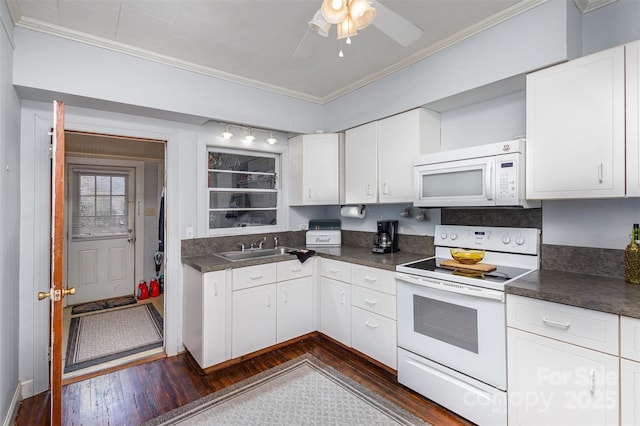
(358, 255)
(604, 294)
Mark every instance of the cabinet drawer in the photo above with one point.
(292, 269)
(251, 276)
(336, 270)
(630, 338)
(374, 301)
(584, 327)
(374, 335)
(373, 278)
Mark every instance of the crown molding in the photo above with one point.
(47, 28)
(586, 6)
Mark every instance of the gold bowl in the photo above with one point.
(467, 256)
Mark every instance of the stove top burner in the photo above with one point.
(501, 274)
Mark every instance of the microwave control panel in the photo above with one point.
(507, 170)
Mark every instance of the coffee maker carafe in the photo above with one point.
(386, 239)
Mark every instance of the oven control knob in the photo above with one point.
(453, 236)
(443, 236)
(520, 240)
(506, 239)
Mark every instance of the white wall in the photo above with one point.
(611, 25)
(9, 223)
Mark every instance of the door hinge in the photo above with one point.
(49, 353)
(50, 151)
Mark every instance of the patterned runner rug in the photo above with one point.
(303, 391)
(103, 304)
(105, 336)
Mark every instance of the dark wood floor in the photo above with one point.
(136, 394)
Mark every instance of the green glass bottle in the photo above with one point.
(632, 259)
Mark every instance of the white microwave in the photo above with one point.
(477, 176)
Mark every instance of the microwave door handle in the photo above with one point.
(489, 181)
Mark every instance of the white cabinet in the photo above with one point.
(630, 371)
(632, 51)
(379, 156)
(253, 309)
(335, 300)
(557, 370)
(314, 169)
(205, 316)
(254, 319)
(295, 304)
(576, 128)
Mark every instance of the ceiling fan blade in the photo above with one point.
(307, 46)
(395, 26)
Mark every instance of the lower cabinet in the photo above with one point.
(253, 320)
(335, 310)
(557, 383)
(374, 335)
(563, 364)
(294, 308)
(205, 316)
(629, 371)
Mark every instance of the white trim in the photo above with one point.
(586, 6)
(48, 28)
(12, 412)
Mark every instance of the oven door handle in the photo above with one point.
(482, 293)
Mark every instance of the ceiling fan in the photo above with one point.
(353, 15)
(349, 16)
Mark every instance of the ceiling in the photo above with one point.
(265, 44)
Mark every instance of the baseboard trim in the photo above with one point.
(12, 413)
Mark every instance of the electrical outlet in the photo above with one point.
(188, 232)
(302, 227)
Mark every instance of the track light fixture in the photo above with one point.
(249, 133)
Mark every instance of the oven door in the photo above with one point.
(459, 326)
(455, 183)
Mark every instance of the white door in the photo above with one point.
(101, 233)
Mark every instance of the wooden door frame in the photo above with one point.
(98, 163)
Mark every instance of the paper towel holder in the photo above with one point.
(358, 211)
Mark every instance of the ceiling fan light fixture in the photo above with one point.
(319, 25)
(346, 28)
(367, 14)
(334, 11)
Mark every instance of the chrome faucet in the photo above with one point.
(241, 247)
(260, 242)
(275, 242)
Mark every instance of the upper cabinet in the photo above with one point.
(314, 166)
(632, 51)
(379, 156)
(576, 127)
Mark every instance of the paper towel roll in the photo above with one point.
(353, 211)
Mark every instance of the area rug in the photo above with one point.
(115, 302)
(303, 391)
(105, 336)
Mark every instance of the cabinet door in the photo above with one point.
(254, 319)
(629, 392)
(314, 169)
(633, 118)
(335, 310)
(576, 128)
(400, 139)
(295, 308)
(361, 164)
(374, 335)
(555, 383)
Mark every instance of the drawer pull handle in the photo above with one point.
(563, 325)
(343, 298)
(284, 296)
(256, 277)
(296, 270)
(215, 289)
(370, 280)
(371, 324)
(592, 375)
(334, 271)
(370, 302)
(268, 300)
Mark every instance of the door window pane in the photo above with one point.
(99, 205)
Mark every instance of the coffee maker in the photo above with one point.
(386, 239)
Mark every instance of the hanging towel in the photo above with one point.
(303, 254)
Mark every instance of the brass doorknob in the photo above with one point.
(71, 290)
(43, 295)
(56, 293)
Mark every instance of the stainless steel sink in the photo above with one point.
(254, 253)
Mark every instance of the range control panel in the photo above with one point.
(511, 240)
